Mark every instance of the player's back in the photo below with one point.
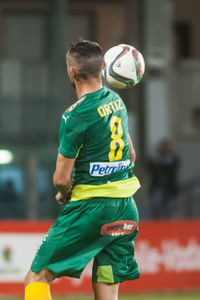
(97, 131)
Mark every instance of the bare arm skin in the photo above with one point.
(131, 150)
(62, 178)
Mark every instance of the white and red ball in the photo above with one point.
(124, 66)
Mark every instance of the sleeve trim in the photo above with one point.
(67, 154)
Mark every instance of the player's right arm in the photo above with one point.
(71, 138)
(62, 178)
(132, 153)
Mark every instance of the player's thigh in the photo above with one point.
(115, 262)
(71, 242)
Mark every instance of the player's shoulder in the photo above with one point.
(113, 94)
(86, 105)
(72, 116)
(71, 111)
(109, 91)
(75, 105)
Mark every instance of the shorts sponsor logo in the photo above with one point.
(107, 168)
(118, 228)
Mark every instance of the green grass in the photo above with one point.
(149, 296)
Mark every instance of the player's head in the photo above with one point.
(84, 60)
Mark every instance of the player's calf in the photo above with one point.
(37, 286)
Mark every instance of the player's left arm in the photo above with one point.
(132, 153)
(62, 178)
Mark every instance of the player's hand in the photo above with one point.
(63, 199)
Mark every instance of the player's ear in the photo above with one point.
(72, 71)
(103, 65)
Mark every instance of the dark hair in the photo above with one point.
(87, 57)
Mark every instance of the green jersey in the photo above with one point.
(94, 130)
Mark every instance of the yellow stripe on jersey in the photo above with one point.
(79, 151)
(116, 189)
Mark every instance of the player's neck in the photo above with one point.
(86, 87)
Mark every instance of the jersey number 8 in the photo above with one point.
(116, 139)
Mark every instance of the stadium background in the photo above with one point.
(34, 91)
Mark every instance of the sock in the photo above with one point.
(37, 291)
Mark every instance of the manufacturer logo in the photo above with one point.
(118, 228)
(65, 118)
(107, 168)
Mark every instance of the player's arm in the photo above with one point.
(132, 153)
(62, 178)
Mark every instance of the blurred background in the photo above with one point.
(164, 109)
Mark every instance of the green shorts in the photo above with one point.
(101, 228)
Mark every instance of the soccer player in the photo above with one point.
(100, 219)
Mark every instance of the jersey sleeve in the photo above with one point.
(71, 135)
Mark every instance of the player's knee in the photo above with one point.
(29, 278)
(45, 276)
(105, 291)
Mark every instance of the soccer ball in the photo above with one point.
(124, 66)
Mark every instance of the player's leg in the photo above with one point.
(105, 291)
(37, 286)
(69, 245)
(115, 263)
(45, 276)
